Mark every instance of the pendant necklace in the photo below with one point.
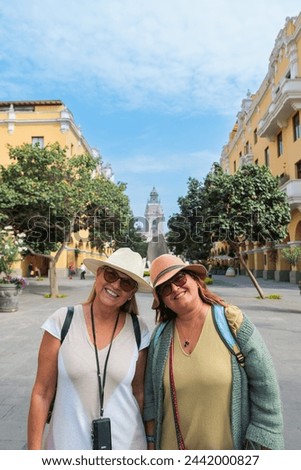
(187, 341)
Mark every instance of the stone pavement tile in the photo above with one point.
(279, 322)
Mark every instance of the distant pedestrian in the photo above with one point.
(30, 271)
(82, 271)
(37, 272)
(71, 270)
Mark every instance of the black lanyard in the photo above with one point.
(102, 386)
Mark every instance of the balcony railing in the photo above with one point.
(293, 190)
(287, 100)
(245, 159)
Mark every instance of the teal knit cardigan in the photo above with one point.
(256, 409)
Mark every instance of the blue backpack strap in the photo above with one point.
(137, 330)
(159, 331)
(226, 334)
(67, 322)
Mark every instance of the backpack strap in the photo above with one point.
(137, 330)
(69, 317)
(67, 323)
(64, 331)
(222, 327)
(160, 331)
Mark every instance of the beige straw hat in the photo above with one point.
(126, 261)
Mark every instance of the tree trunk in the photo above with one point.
(54, 290)
(253, 279)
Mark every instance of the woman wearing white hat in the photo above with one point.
(98, 369)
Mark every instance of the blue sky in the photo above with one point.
(155, 85)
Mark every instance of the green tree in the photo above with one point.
(246, 206)
(48, 197)
(250, 207)
(186, 235)
(110, 220)
(292, 254)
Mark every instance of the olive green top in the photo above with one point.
(206, 374)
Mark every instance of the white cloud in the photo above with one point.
(172, 54)
(193, 162)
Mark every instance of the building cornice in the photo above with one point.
(31, 103)
(286, 38)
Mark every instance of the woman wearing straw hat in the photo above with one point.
(98, 369)
(197, 395)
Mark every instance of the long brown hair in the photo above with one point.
(163, 313)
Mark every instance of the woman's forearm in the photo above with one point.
(37, 416)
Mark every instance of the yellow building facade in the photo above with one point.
(268, 132)
(47, 122)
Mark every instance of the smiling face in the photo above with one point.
(180, 293)
(113, 288)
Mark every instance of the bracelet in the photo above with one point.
(150, 439)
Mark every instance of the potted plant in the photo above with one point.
(292, 255)
(11, 248)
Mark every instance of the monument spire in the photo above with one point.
(154, 215)
(154, 226)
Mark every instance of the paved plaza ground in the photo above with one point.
(279, 321)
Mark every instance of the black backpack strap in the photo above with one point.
(67, 323)
(136, 329)
(65, 328)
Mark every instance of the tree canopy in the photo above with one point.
(246, 206)
(48, 196)
(42, 191)
(186, 235)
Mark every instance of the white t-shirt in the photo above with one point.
(77, 396)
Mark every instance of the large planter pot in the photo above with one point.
(230, 272)
(9, 298)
